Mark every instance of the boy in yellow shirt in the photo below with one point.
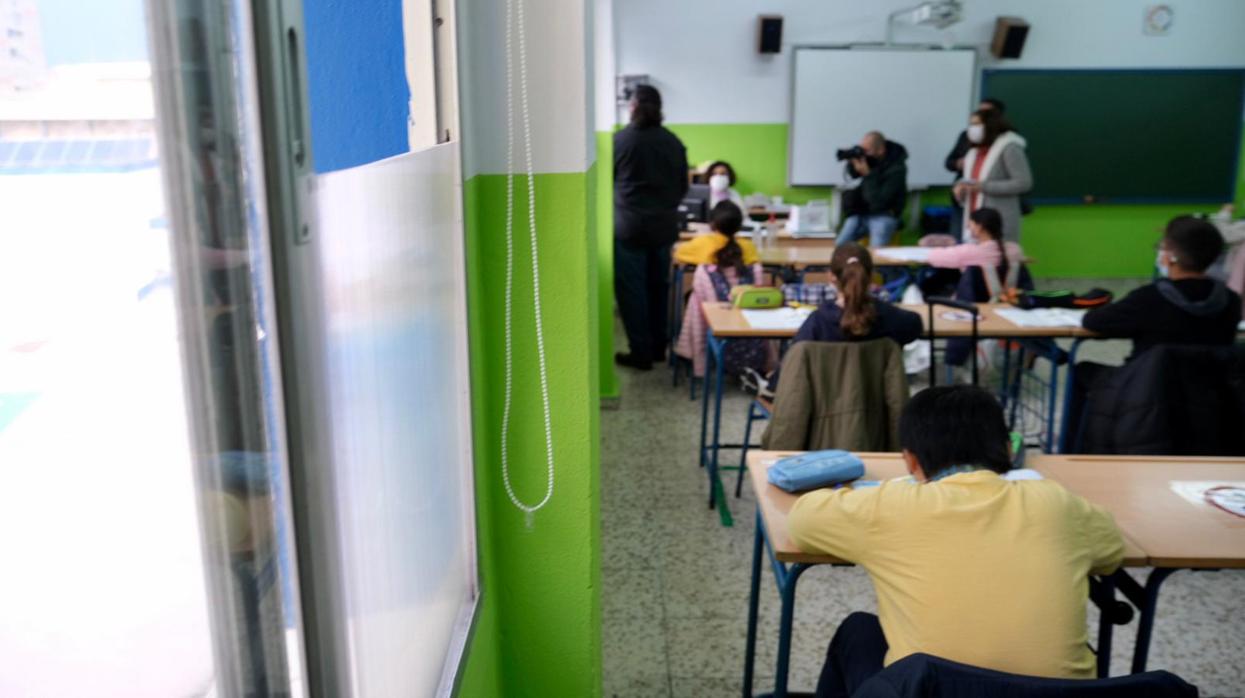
(967, 565)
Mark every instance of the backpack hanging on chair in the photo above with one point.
(739, 354)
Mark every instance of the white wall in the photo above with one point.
(558, 67)
(702, 53)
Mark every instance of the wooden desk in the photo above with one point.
(775, 504)
(1173, 531)
(783, 239)
(815, 252)
(726, 321)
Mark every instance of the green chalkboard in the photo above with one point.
(1126, 135)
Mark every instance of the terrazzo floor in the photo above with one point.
(675, 581)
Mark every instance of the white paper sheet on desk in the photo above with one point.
(1194, 491)
(777, 318)
(904, 254)
(1042, 317)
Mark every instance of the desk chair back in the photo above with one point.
(1179, 400)
(924, 676)
(844, 395)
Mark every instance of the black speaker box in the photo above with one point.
(1009, 37)
(769, 33)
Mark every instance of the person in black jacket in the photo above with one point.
(955, 162)
(650, 180)
(876, 205)
(1184, 307)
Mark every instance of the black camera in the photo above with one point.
(849, 153)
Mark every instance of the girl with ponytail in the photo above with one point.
(855, 315)
(1000, 261)
(852, 267)
(723, 262)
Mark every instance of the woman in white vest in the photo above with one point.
(996, 172)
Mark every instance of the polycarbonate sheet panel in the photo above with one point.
(394, 299)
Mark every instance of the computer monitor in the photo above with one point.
(695, 205)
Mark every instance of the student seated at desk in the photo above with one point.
(967, 566)
(723, 262)
(1184, 307)
(1000, 261)
(720, 177)
(703, 249)
(855, 315)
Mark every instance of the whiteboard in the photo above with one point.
(920, 98)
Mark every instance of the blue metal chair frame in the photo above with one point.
(709, 451)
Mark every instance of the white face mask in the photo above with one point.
(1164, 271)
(719, 182)
(976, 133)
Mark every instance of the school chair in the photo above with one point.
(1175, 400)
(926, 676)
(845, 395)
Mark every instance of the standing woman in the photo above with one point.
(650, 179)
(996, 172)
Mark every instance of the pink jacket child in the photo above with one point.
(694, 333)
(981, 254)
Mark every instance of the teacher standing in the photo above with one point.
(996, 172)
(650, 180)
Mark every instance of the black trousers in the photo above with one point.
(642, 288)
(856, 653)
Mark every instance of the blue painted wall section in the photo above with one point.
(356, 81)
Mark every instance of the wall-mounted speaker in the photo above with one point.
(1009, 37)
(769, 33)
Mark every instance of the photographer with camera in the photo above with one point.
(874, 206)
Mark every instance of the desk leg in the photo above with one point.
(1005, 383)
(1102, 594)
(754, 603)
(718, 349)
(786, 589)
(704, 404)
(1145, 625)
(676, 322)
(1065, 438)
(1049, 445)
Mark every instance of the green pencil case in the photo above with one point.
(756, 297)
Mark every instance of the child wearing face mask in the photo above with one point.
(721, 178)
(1185, 306)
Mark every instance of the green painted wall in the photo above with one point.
(1065, 241)
(538, 632)
(603, 215)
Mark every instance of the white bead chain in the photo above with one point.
(529, 510)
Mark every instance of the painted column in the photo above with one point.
(538, 631)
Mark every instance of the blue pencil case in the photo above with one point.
(814, 469)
